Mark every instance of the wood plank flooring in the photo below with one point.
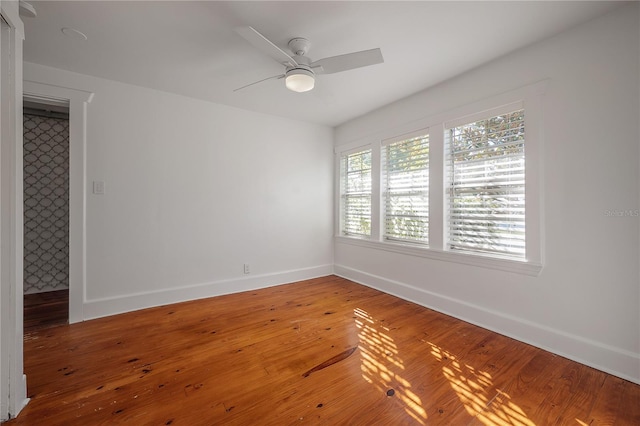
(324, 351)
(42, 310)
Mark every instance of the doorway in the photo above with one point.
(46, 213)
(77, 102)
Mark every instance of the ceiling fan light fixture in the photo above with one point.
(299, 80)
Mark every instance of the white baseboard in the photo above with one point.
(98, 308)
(615, 361)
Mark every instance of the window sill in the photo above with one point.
(519, 267)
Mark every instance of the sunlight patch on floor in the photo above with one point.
(382, 365)
(470, 386)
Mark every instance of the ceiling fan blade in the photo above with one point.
(260, 81)
(348, 61)
(264, 44)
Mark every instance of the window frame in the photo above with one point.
(531, 98)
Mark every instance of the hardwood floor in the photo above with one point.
(42, 310)
(323, 351)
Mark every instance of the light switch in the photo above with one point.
(98, 187)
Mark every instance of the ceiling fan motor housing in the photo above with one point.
(303, 65)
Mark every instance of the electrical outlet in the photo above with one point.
(246, 268)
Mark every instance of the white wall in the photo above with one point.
(193, 191)
(585, 303)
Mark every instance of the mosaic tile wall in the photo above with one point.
(46, 204)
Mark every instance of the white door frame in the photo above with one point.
(13, 385)
(78, 100)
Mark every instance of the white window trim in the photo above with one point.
(531, 98)
(411, 135)
(483, 261)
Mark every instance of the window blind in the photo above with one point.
(405, 175)
(356, 193)
(486, 171)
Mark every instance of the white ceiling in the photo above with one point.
(190, 47)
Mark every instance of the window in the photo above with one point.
(453, 191)
(355, 189)
(486, 185)
(406, 189)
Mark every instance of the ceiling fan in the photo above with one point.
(300, 71)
